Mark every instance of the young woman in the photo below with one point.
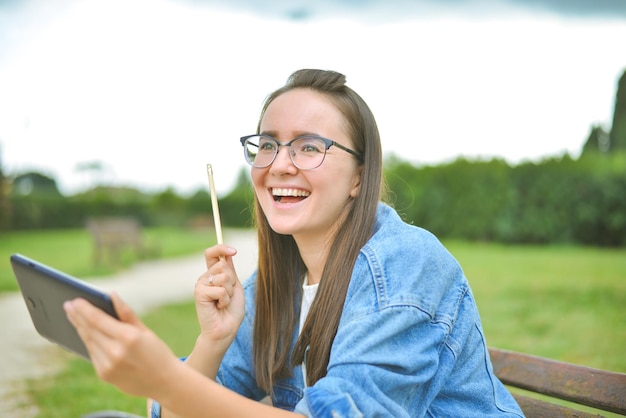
(351, 311)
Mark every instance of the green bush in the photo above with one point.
(558, 200)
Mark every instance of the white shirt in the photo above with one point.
(308, 296)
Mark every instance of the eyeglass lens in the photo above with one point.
(306, 153)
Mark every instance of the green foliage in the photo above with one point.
(35, 183)
(5, 213)
(235, 208)
(34, 199)
(199, 202)
(37, 204)
(37, 210)
(618, 129)
(168, 208)
(460, 199)
(559, 200)
(597, 142)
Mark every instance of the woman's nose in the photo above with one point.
(282, 162)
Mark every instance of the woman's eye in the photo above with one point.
(266, 146)
(310, 146)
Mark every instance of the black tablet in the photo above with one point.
(45, 290)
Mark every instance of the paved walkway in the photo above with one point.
(25, 354)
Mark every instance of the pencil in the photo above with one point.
(216, 211)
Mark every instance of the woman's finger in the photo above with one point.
(224, 280)
(96, 328)
(219, 295)
(124, 352)
(125, 312)
(83, 314)
(218, 253)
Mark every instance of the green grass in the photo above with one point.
(76, 390)
(71, 250)
(566, 303)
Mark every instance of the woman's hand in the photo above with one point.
(219, 298)
(124, 352)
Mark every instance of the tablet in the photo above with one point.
(45, 290)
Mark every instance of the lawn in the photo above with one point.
(71, 250)
(176, 324)
(566, 303)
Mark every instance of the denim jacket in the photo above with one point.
(409, 344)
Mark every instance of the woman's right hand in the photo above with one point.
(219, 298)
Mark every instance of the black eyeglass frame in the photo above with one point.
(327, 144)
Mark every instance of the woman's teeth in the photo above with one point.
(279, 194)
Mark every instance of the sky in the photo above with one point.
(152, 91)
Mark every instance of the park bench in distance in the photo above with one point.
(600, 389)
(113, 234)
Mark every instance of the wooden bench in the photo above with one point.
(599, 389)
(112, 234)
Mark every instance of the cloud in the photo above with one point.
(611, 9)
(400, 9)
(22, 20)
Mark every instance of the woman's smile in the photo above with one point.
(289, 195)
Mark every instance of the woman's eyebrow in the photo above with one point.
(294, 134)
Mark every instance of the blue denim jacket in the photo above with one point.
(409, 344)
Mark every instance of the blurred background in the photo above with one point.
(486, 108)
(503, 125)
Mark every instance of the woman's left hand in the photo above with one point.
(124, 352)
(219, 297)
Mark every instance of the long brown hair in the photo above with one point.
(280, 267)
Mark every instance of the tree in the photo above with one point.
(33, 183)
(617, 137)
(235, 207)
(95, 169)
(36, 202)
(597, 142)
(4, 201)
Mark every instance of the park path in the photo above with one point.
(24, 354)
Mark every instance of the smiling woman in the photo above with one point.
(350, 311)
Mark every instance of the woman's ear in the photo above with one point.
(356, 186)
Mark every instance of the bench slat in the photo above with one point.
(583, 385)
(537, 408)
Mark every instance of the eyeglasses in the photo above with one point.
(306, 151)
